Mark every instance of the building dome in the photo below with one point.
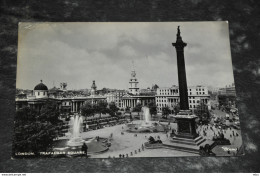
(41, 86)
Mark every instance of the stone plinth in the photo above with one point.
(186, 124)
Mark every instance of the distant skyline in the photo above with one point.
(78, 53)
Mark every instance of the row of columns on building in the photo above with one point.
(172, 102)
(76, 105)
(134, 102)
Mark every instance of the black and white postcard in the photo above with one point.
(125, 89)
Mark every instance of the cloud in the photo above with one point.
(78, 53)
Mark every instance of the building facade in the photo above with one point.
(116, 97)
(135, 95)
(228, 90)
(130, 101)
(169, 97)
(67, 102)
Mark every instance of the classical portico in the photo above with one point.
(78, 102)
(131, 101)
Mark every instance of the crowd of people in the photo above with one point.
(212, 132)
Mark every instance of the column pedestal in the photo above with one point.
(186, 124)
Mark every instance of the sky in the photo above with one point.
(78, 53)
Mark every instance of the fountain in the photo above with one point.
(146, 120)
(75, 129)
(145, 125)
(73, 142)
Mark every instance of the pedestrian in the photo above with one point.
(131, 153)
(120, 155)
(123, 155)
(139, 150)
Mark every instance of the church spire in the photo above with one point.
(133, 65)
(133, 89)
(93, 88)
(133, 74)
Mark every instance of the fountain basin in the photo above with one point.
(94, 146)
(141, 127)
(74, 142)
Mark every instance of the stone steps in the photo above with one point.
(197, 141)
(184, 148)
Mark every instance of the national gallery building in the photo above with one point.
(67, 100)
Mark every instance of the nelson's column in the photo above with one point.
(185, 118)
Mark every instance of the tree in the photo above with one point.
(138, 108)
(87, 109)
(166, 111)
(113, 108)
(152, 107)
(105, 90)
(202, 112)
(35, 131)
(101, 107)
(127, 109)
(50, 112)
(176, 108)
